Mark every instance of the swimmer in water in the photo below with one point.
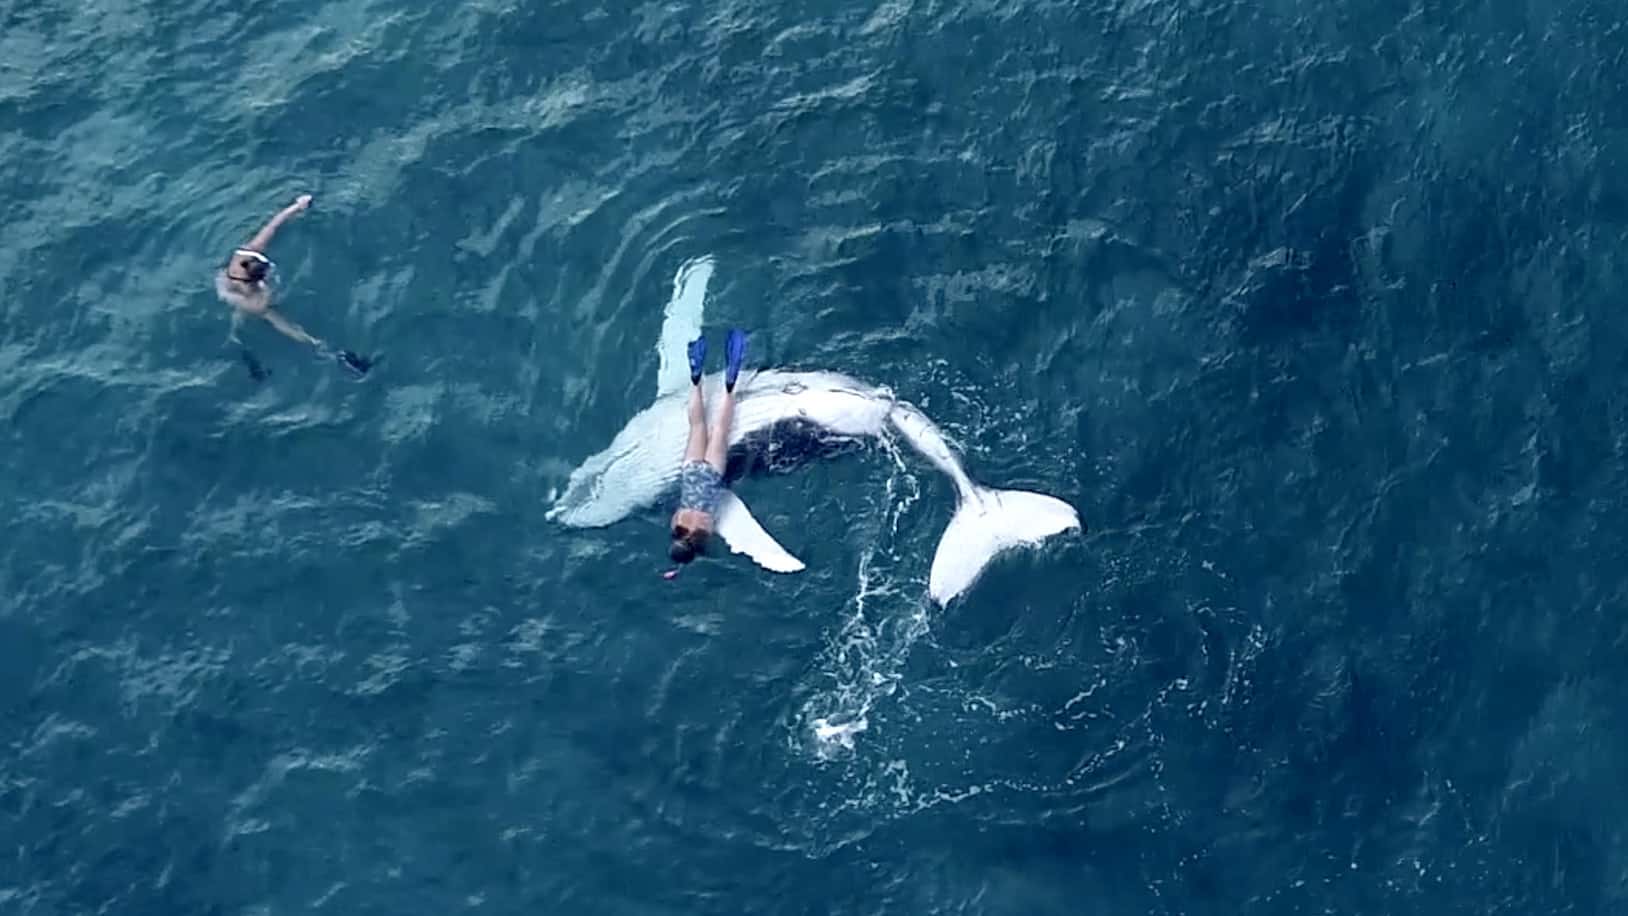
(701, 478)
(245, 283)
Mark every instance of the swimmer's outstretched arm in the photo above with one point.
(263, 237)
(290, 328)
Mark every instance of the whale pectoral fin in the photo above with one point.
(743, 534)
(681, 323)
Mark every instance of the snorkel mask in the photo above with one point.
(256, 266)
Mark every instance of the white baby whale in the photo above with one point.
(642, 462)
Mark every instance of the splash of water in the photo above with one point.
(888, 615)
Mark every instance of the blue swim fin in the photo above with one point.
(735, 352)
(698, 358)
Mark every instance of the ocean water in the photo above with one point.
(1314, 311)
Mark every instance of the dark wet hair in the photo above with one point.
(254, 268)
(687, 542)
(682, 551)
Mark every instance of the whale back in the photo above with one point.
(643, 461)
(832, 402)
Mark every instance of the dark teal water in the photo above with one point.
(1313, 310)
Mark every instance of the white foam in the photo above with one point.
(866, 656)
(827, 733)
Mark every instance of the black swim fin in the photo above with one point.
(355, 362)
(257, 371)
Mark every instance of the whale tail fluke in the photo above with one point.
(988, 523)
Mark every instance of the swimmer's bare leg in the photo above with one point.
(696, 448)
(718, 450)
(718, 441)
(256, 371)
(290, 328)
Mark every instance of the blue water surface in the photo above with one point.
(1314, 311)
